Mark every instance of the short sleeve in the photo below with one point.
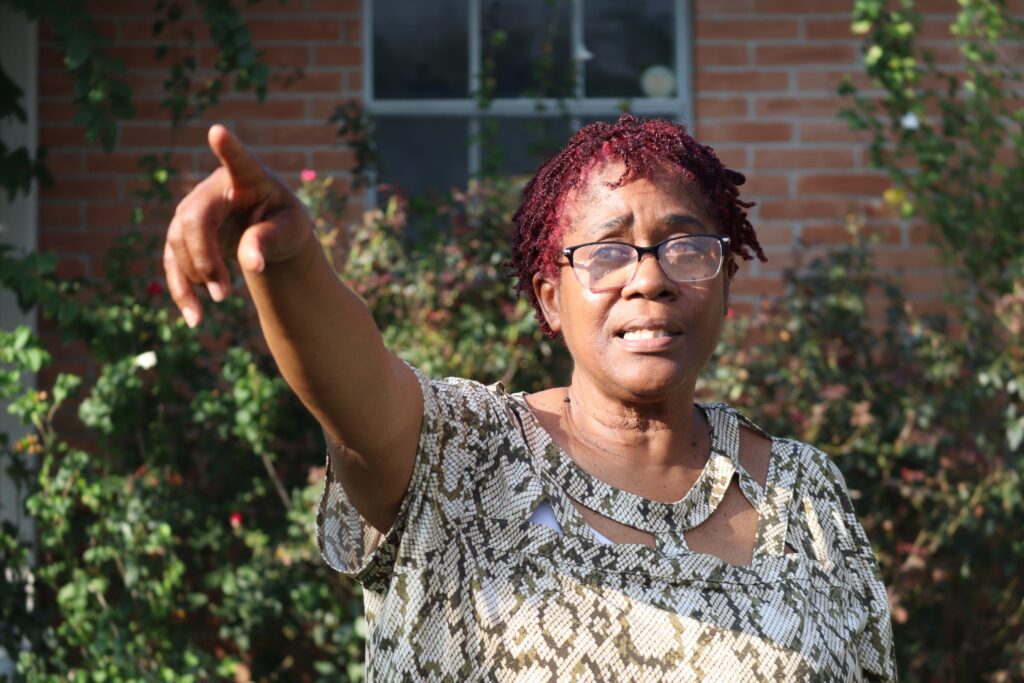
(457, 423)
(873, 644)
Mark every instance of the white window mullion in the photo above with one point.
(684, 61)
(475, 161)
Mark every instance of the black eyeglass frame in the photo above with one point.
(653, 249)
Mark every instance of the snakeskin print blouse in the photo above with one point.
(464, 588)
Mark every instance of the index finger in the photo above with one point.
(247, 174)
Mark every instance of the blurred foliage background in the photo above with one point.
(177, 543)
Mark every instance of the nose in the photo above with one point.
(650, 281)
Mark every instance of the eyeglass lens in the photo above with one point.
(609, 265)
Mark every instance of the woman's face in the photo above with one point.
(649, 339)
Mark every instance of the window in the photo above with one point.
(546, 66)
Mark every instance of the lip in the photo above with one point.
(649, 345)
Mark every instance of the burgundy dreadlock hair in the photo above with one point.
(642, 146)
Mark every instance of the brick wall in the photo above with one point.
(766, 72)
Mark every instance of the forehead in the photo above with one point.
(661, 187)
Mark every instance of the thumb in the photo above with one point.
(248, 178)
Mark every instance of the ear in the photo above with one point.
(546, 291)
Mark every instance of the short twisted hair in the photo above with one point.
(642, 146)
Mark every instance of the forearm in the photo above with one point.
(329, 349)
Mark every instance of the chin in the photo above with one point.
(653, 379)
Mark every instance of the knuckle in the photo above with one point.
(205, 267)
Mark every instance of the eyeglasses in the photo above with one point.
(602, 266)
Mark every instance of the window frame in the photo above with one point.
(682, 104)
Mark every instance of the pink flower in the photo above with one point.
(308, 175)
(236, 520)
(729, 314)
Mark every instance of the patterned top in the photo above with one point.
(464, 587)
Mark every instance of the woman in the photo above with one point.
(611, 529)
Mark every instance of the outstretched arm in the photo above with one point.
(320, 333)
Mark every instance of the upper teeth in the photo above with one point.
(644, 334)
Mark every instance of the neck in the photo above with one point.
(657, 434)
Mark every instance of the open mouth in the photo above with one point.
(635, 335)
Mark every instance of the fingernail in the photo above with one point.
(217, 291)
(257, 258)
(191, 317)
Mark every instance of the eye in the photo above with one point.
(608, 253)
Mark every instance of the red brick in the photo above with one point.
(921, 234)
(319, 82)
(55, 82)
(937, 6)
(796, 158)
(59, 215)
(830, 80)
(272, 108)
(334, 160)
(82, 187)
(758, 131)
(127, 163)
(845, 184)
(831, 131)
(161, 135)
(297, 30)
(59, 162)
(802, 6)
(935, 29)
(336, 6)
(913, 257)
(283, 161)
(720, 55)
(945, 54)
(141, 57)
(934, 284)
(69, 268)
(779, 233)
(354, 81)
(108, 216)
(721, 107)
(741, 81)
(769, 105)
(797, 209)
(354, 30)
(339, 55)
(733, 157)
(91, 241)
(840, 234)
(711, 7)
(758, 286)
(809, 55)
(107, 29)
(260, 134)
(831, 30)
(119, 7)
(745, 29)
(762, 184)
(142, 31)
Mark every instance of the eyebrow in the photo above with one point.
(626, 220)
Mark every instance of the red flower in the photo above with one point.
(236, 520)
(154, 288)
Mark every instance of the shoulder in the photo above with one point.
(461, 399)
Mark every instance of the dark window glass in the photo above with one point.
(422, 155)
(528, 142)
(526, 47)
(420, 49)
(632, 48)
